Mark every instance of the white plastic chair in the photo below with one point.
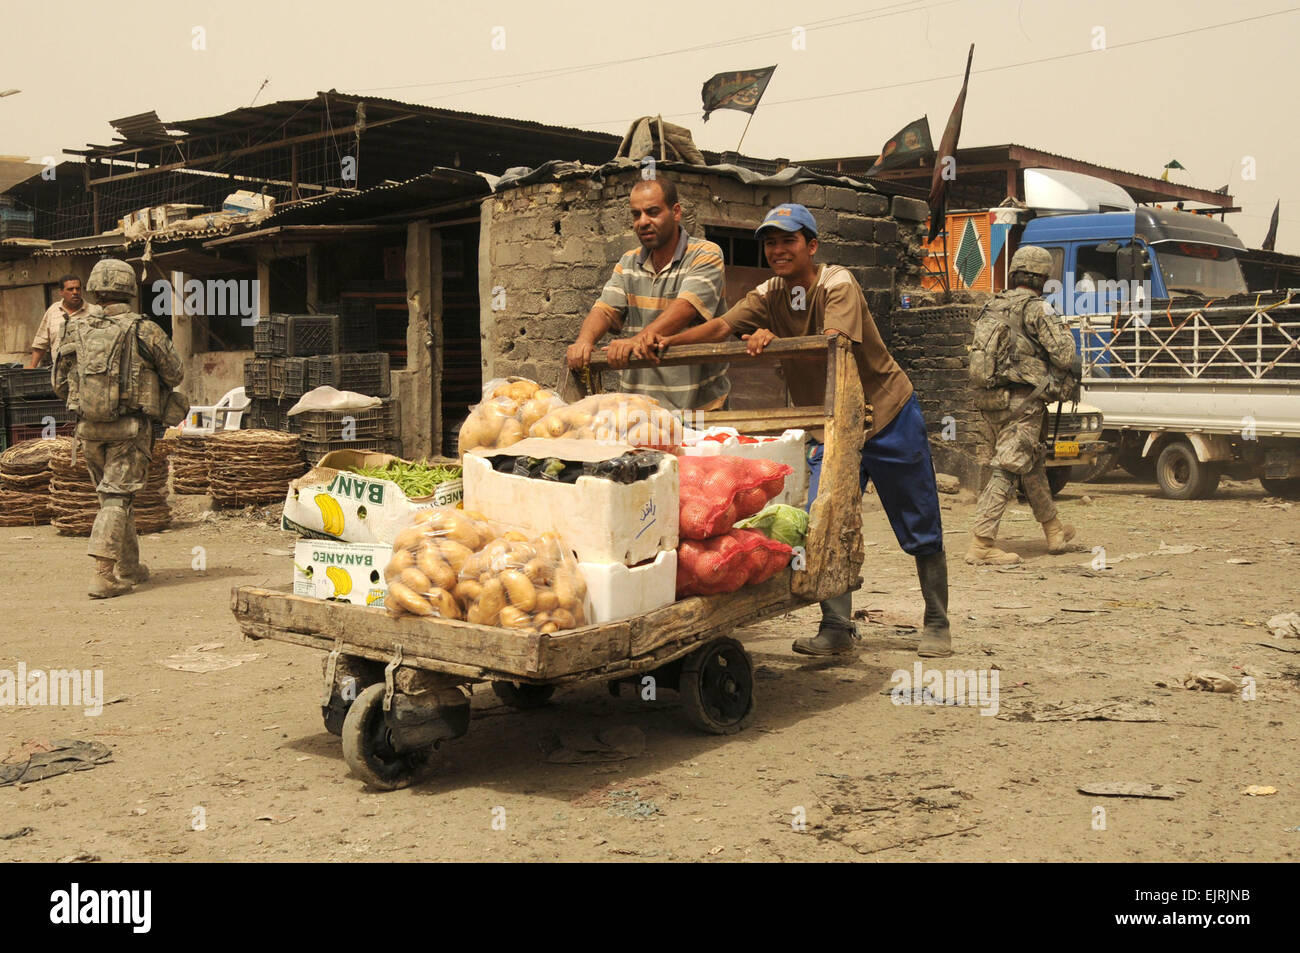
(228, 412)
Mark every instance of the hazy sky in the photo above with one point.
(1209, 99)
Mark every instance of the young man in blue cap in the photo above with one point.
(806, 298)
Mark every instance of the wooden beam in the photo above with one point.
(249, 150)
(811, 347)
(300, 233)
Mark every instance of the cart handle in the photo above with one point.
(811, 345)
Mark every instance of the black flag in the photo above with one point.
(740, 89)
(1271, 238)
(911, 141)
(947, 151)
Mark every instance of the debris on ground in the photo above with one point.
(1208, 681)
(1257, 790)
(1285, 626)
(1164, 792)
(203, 659)
(51, 759)
(1084, 711)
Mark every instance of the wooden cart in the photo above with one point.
(396, 688)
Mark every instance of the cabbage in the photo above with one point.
(783, 523)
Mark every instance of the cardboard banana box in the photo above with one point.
(342, 572)
(333, 502)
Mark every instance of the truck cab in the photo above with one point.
(1107, 260)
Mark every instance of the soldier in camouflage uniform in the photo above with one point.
(129, 374)
(1045, 367)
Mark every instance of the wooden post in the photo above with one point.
(313, 279)
(435, 318)
(293, 173)
(834, 544)
(417, 409)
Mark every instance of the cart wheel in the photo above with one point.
(368, 747)
(523, 696)
(717, 687)
(333, 715)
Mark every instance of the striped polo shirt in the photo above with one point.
(636, 295)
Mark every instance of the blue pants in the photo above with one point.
(897, 461)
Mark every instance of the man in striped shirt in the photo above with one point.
(668, 284)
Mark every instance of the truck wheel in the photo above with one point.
(1057, 478)
(1287, 488)
(1183, 477)
(368, 746)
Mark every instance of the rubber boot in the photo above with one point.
(837, 635)
(103, 584)
(982, 551)
(129, 567)
(1058, 536)
(936, 639)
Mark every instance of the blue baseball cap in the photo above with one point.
(789, 218)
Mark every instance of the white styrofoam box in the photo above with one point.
(246, 201)
(600, 520)
(787, 448)
(616, 591)
(346, 572)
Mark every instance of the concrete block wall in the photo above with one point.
(931, 343)
(549, 249)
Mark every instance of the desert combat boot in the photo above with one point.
(982, 551)
(103, 584)
(1058, 536)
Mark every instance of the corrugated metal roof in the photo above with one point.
(432, 188)
(142, 127)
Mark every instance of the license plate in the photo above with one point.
(1067, 448)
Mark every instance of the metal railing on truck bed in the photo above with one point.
(1251, 342)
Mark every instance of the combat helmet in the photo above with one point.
(1033, 260)
(111, 276)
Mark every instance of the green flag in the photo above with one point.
(741, 89)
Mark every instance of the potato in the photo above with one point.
(444, 603)
(467, 591)
(531, 412)
(547, 600)
(414, 580)
(519, 589)
(563, 618)
(555, 426)
(550, 627)
(522, 391)
(432, 565)
(405, 599)
(512, 618)
(402, 559)
(492, 600)
(536, 569)
(565, 588)
(454, 553)
(408, 538)
(514, 536)
(512, 431)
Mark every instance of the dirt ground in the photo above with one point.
(244, 748)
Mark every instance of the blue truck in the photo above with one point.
(1193, 376)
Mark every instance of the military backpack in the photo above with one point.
(101, 387)
(997, 339)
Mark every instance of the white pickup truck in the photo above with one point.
(1193, 390)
